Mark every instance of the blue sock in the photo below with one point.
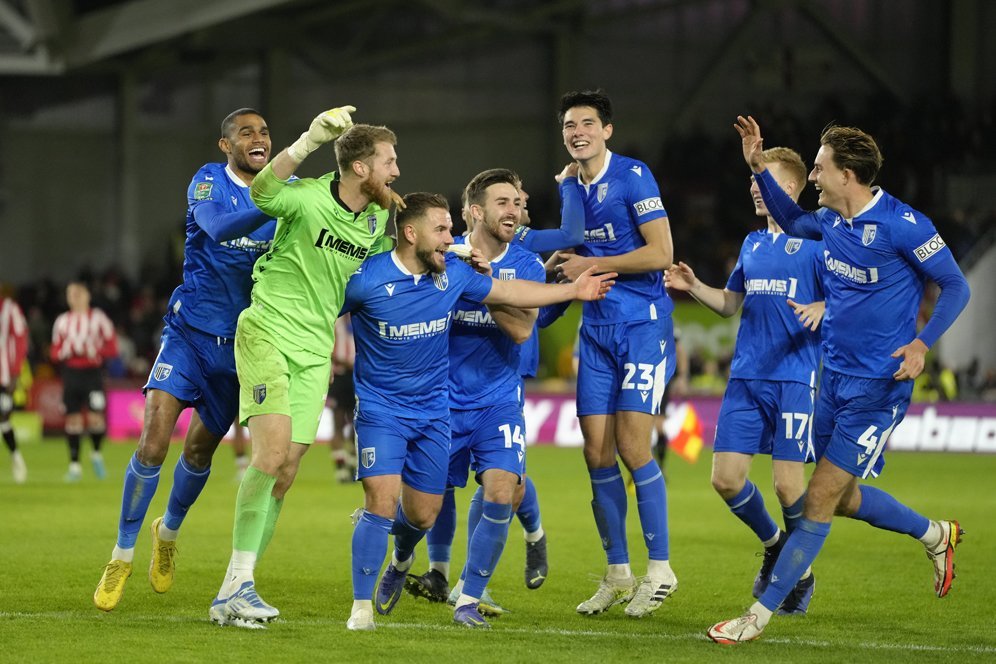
(474, 513)
(529, 510)
(792, 513)
(439, 539)
(406, 536)
(651, 502)
(486, 545)
(609, 505)
(139, 486)
(369, 549)
(748, 506)
(883, 511)
(187, 485)
(798, 554)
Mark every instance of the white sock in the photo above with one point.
(75, 467)
(458, 588)
(621, 572)
(361, 605)
(441, 567)
(659, 571)
(773, 541)
(167, 534)
(463, 600)
(933, 536)
(126, 555)
(401, 566)
(763, 614)
(534, 536)
(240, 569)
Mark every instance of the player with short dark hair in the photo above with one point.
(402, 306)
(768, 405)
(195, 367)
(626, 350)
(879, 254)
(83, 338)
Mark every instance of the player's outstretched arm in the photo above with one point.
(515, 322)
(724, 302)
(810, 315)
(656, 254)
(529, 294)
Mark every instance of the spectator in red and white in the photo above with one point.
(13, 348)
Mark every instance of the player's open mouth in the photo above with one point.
(577, 145)
(257, 154)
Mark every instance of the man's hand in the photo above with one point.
(397, 200)
(325, 128)
(753, 144)
(810, 315)
(574, 265)
(593, 287)
(679, 277)
(913, 355)
(570, 171)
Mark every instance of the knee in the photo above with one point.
(152, 450)
(384, 506)
(788, 492)
(726, 485)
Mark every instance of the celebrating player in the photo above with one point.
(83, 338)
(626, 350)
(402, 305)
(879, 253)
(768, 405)
(326, 227)
(195, 367)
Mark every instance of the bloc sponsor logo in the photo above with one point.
(162, 371)
(259, 393)
(929, 248)
(202, 191)
(648, 205)
(368, 456)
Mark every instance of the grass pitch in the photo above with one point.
(874, 598)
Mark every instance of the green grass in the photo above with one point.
(874, 599)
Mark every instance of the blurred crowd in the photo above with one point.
(704, 185)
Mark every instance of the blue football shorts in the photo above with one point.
(854, 419)
(624, 366)
(490, 437)
(198, 369)
(418, 450)
(767, 417)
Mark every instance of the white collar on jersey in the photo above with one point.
(601, 173)
(235, 178)
(401, 266)
(872, 203)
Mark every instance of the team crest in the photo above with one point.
(162, 371)
(868, 236)
(602, 192)
(368, 456)
(372, 223)
(792, 245)
(441, 280)
(259, 393)
(506, 274)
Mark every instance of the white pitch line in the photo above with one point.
(688, 636)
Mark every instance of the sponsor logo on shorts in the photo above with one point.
(368, 456)
(259, 393)
(648, 205)
(929, 248)
(162, 371)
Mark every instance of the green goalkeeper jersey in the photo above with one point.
(299, 284)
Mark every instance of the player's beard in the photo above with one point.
(378, 193)
(242, 164)
(426, 258)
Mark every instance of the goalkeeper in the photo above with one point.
(326, 226)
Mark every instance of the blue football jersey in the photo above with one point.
(484, 361)
(217, 276)
(771, 343)
(876, 265)
(617, 201)
(401, 326)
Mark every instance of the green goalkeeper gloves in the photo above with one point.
(327, 127)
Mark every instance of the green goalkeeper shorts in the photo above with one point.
(278, 378)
